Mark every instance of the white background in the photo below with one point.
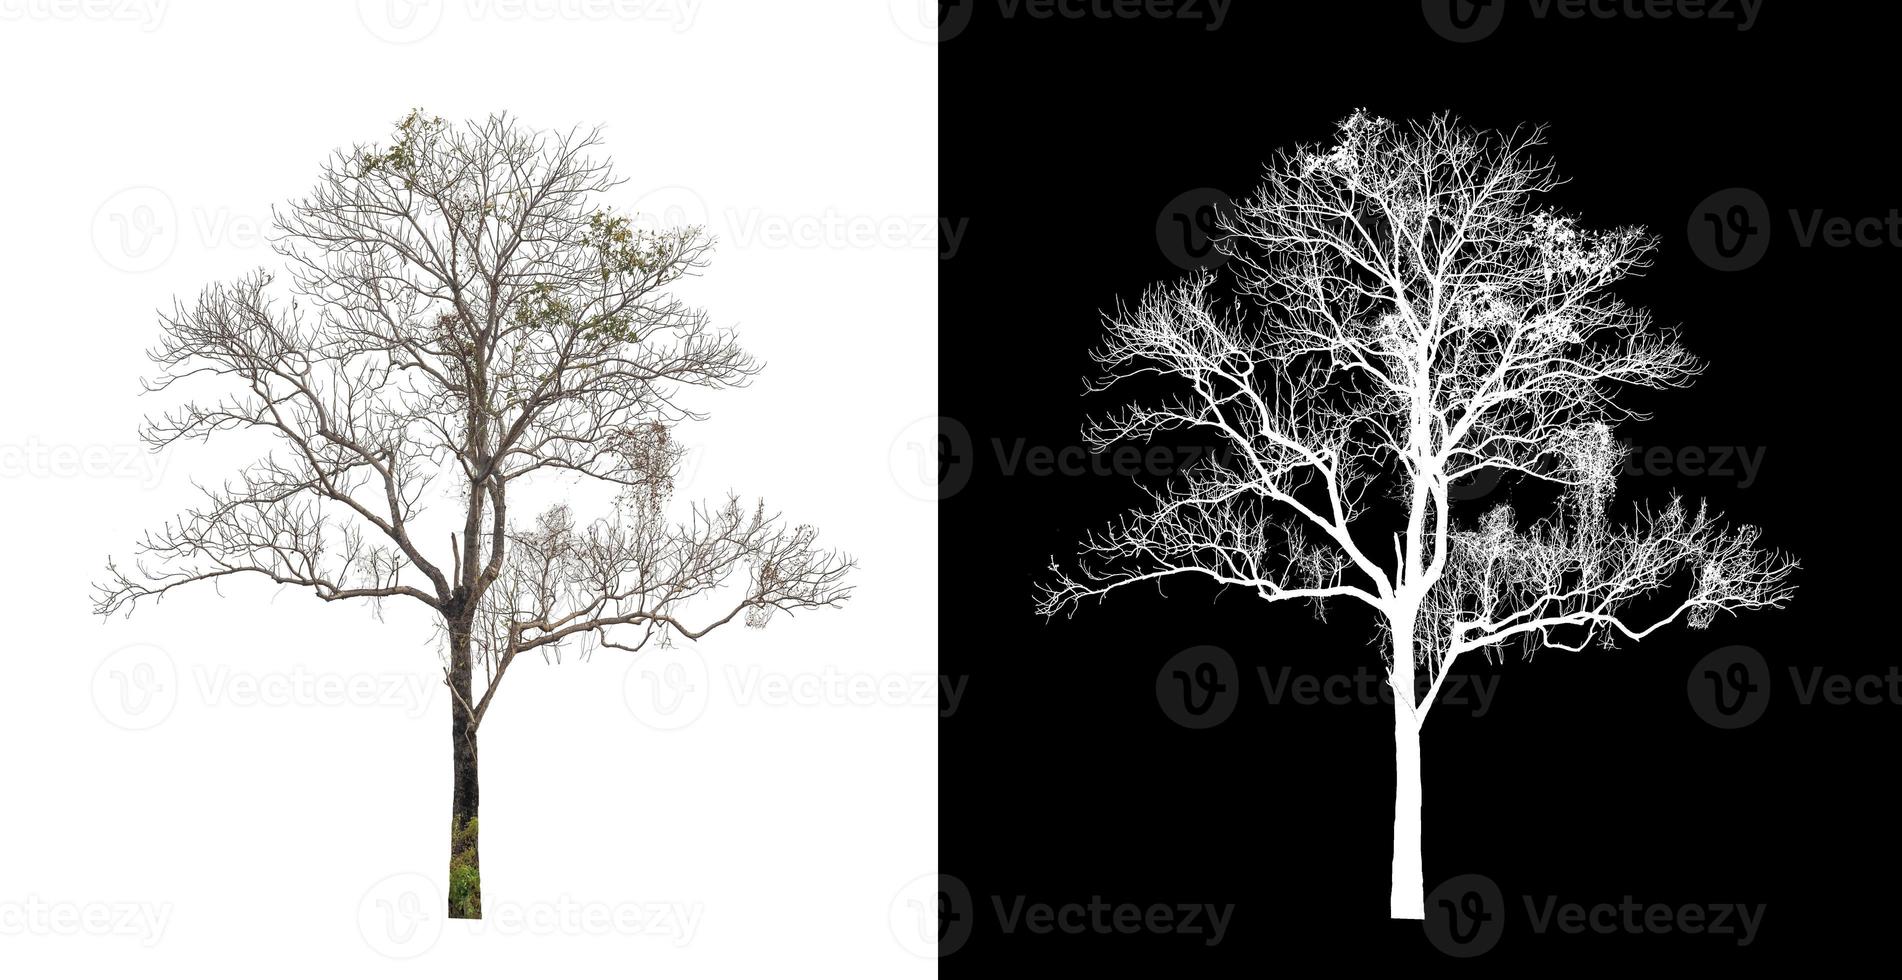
(260, 781)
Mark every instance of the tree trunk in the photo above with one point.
(1407, 900)
(465, 876)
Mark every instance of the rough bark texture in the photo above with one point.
(465, 876)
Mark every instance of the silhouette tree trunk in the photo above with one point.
(1408, 897)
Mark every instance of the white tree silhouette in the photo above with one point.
(1407, 316)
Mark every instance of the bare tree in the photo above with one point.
(462, 315)
(1407, 317)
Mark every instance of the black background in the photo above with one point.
(1590, 778)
